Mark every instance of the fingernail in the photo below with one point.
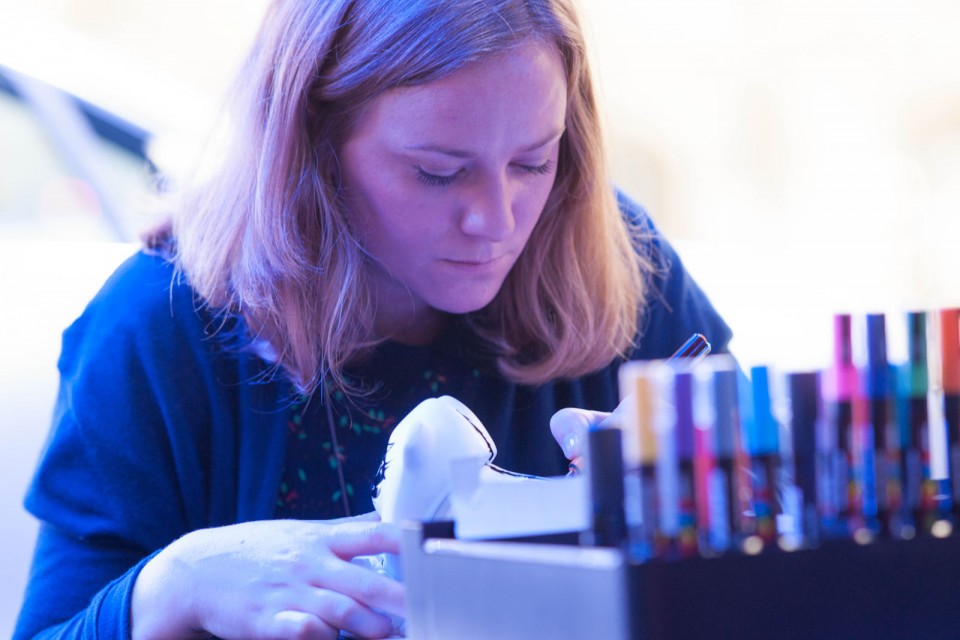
(571, 445)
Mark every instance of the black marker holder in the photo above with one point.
(886, 589)
(842, 590)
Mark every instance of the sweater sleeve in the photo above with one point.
(86, 567)
(126, 468)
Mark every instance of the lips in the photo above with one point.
(477, 266)
(472, 262)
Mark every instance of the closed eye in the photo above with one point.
(540, 170)
(434, 180)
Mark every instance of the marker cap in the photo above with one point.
(876, 375)
(842, 340)
(804, 416)
(839, 382)
(912, 378)
(762, 429)
(683, 404)
(950, 349)
(727, 412)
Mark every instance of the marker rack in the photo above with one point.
(886, 589)
(511, 590)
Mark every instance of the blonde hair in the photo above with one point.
(267, 236)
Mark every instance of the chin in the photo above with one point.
(465, 303)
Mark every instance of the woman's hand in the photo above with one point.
(569, 428)
(270, 579)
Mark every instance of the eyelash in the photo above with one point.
(445, 181)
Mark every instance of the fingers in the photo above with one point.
(365, 586)
(297, 625)
(569, 428)
(328, 614)
(362, 538)
(343, 612)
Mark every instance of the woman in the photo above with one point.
(414, 204)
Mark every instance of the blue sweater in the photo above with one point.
(165, 423)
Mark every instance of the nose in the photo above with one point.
(488, 211)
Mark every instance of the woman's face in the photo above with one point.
(446, 181)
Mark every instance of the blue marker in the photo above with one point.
(762, 442)
(880, 452)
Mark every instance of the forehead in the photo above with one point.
(522, 91)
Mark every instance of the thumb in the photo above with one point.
(569, 428)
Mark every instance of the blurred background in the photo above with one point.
(804, 157)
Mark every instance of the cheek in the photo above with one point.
(404, 235)
(387, 215)
(529, 209)
(399, 221)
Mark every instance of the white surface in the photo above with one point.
(779, 292)
(44, 287)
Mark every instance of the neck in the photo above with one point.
(421, 327)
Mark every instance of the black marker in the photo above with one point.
(609, 525)
(800, 498)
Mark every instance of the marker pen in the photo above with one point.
(803, 416)
(763, 448)
(688, 354)
(704, 459)
(604, 448)
(732, 456)
(881, 452)
(717, 420)
(695, 348)
(685, 543)
(939, 494)
(667, 471)
(918, 509)
(949, 353)
(837, 490)
(640, 382)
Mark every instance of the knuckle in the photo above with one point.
(309, 629)
(370, 588)
(343, 611)
(295, 625)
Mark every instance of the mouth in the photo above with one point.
(481, 262)
(477, 268)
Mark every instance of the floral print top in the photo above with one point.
(402, 376)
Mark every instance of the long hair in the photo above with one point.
(266, 235)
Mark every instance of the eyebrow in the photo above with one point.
(461, 153)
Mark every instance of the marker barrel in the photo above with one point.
(609, 528)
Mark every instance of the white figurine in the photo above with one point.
(439, 466)
(415, 480)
